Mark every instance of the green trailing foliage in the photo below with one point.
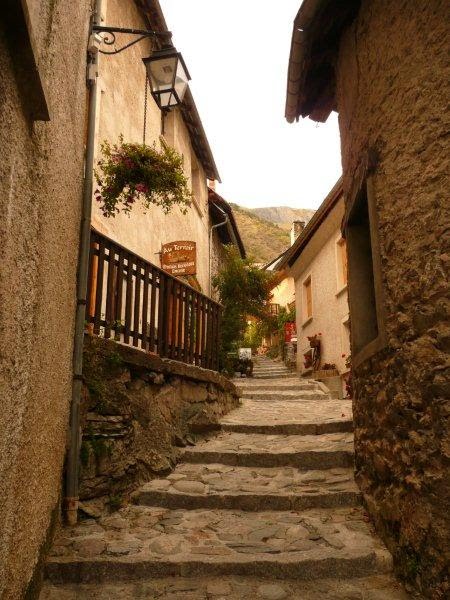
(244, 290)
(131, 172)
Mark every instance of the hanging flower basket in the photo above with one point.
(129, 173)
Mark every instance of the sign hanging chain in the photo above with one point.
(145, 109)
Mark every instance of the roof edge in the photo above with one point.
(214, 198)
(153, 12)
(311, 79)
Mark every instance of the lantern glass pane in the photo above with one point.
(162, 72)
(167, 99)
(181, 81)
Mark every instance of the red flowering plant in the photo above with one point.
(130, 172)
(314, 340)
(308, 361)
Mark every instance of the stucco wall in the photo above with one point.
(40, 198)
(393, 80)
(121, 111)
(329, 300)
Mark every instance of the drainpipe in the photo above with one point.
(72, 469)
(210, 244)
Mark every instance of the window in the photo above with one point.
(341, 259)
(365, 290)
(307, 299)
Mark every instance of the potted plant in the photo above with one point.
(327, 370)
(314, 340)
(130, 172)
(348, 378)
(308, 361)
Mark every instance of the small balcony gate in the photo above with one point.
(135, 302)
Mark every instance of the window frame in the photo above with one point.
(341, 280)
(380, 341)
(306, 316)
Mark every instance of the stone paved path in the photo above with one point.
(266, 509)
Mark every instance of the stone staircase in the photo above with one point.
(265, 368)
(268, 508)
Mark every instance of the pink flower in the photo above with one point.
(141, 187)
(128, 163)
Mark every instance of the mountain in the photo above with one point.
(263, 237)
(283, 216)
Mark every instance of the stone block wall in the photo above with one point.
(138, 412)
(392, 86)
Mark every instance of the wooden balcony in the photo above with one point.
(135, 302)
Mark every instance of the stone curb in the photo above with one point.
(302, 460)
(63, 570)
(152, 362)
(249, 501)
(290, 428)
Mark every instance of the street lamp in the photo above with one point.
(168, 77)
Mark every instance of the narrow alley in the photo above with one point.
(267, 508)
(224, 300)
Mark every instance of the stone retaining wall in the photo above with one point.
(138, 411)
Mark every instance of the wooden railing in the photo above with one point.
(137, 303)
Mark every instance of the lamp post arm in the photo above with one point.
(110, 37)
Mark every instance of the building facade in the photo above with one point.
(317, 264)
(42, 117)
(120, 111)
(384, 66)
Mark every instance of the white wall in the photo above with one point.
(121, 111)
(330, 310)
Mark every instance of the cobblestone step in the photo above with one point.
(140, 542)
(193, 486)
(271, 368)
(280, 394)
(286, 375)
(267, 509)
(282, 384)
(306, 417)
(375, 587)
(326, 451)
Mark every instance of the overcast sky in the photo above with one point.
(237, 53)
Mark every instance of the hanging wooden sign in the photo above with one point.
(179, 258)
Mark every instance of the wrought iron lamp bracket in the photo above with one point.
(110, 38)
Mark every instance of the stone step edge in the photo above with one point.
(303, 460)
(264, 376)
(339, 565)
(248, 501)
(290, 428)
(300, 589)
(272, 395)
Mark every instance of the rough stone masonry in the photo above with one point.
(267, 508)
(138, 412)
